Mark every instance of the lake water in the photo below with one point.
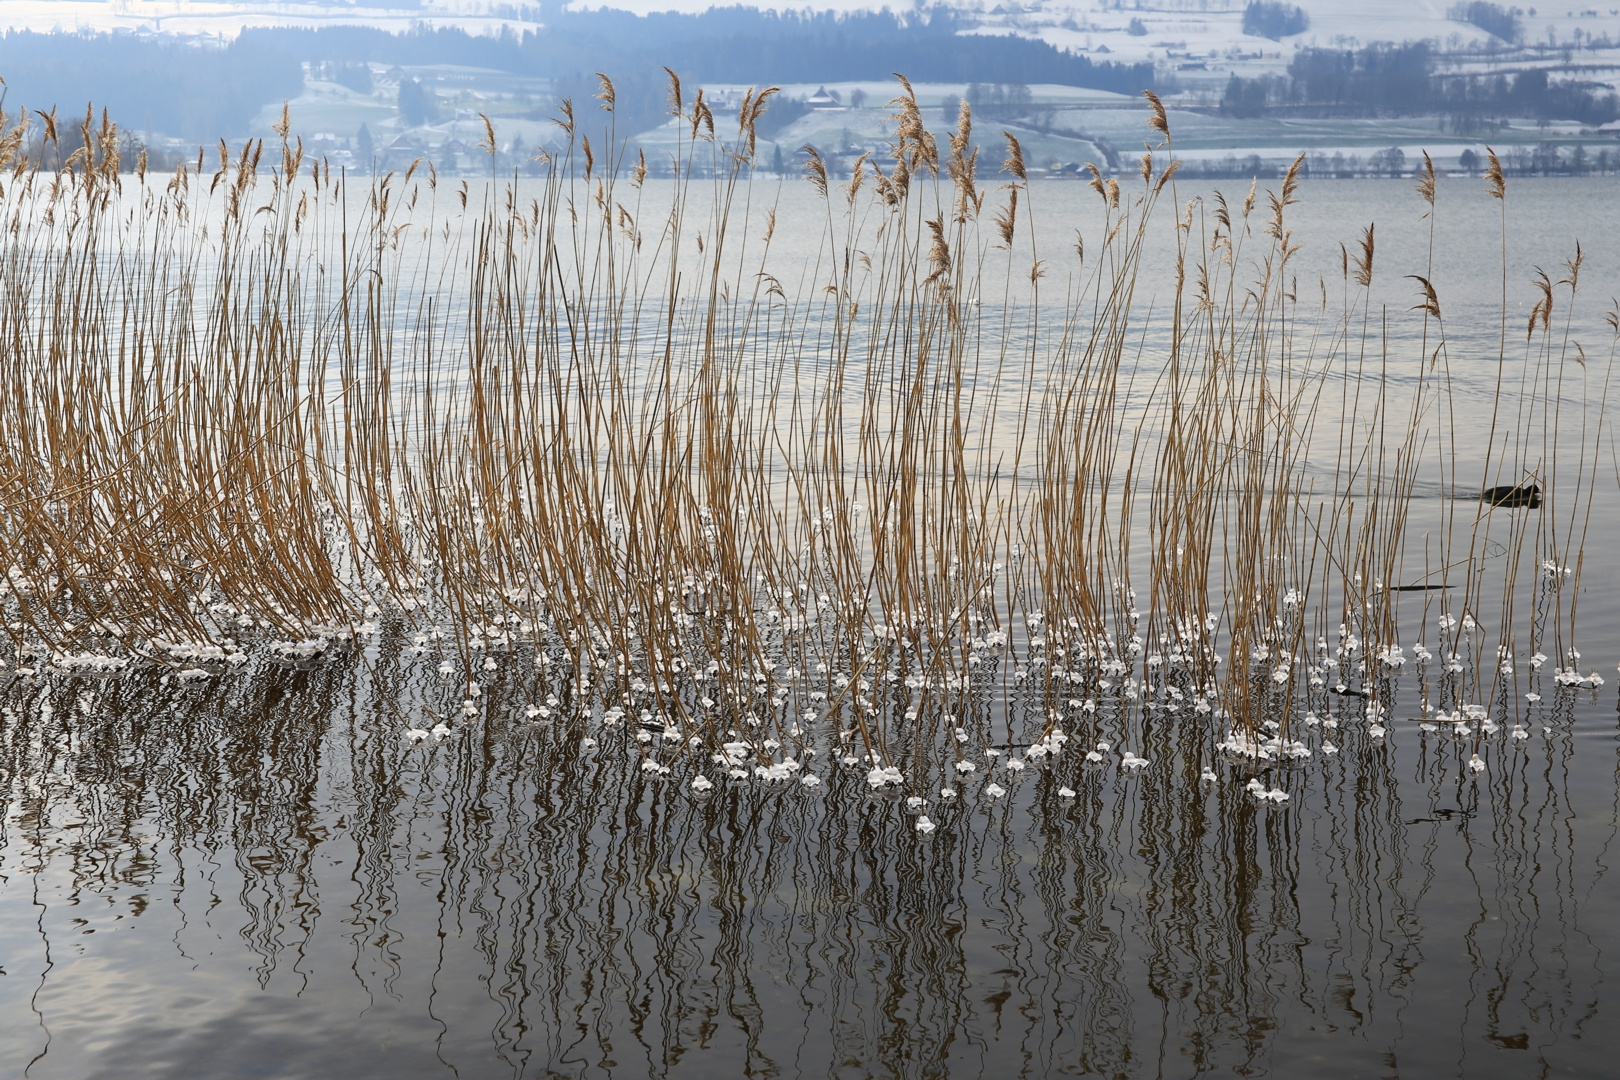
(256, 876)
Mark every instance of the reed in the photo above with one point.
(945, 493)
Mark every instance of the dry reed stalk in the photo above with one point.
(247, 410)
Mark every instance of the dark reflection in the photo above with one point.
(204, 877)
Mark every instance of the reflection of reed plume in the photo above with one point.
(599, 914)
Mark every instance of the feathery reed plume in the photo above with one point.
(1427, 179)
(815, 170)
(754, 106)
(1572, 268)
(1290, 184)
(1431, 301)
(1166, 176)
(939, 252)
(1014, 163)
(1157, 119)
(857, 176)
(1495, 184)
(676, 108)
(701, 118)
(1007, 218)
(1364, 261)
(1542, 309)
(962, 164)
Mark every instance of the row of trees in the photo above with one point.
(1394, 80)
(1546, 159)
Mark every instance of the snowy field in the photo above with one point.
(1200, 28)
(1194, 45)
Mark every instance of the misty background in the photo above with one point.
(1361, 89)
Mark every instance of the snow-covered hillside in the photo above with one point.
(1195, 45)
(189, 18)
(1126, 30)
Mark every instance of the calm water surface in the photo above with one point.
(264, 880)
(256, 876)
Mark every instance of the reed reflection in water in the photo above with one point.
(259, 877)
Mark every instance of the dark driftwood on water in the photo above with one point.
(1512, 496)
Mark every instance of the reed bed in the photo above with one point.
(931, 514)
